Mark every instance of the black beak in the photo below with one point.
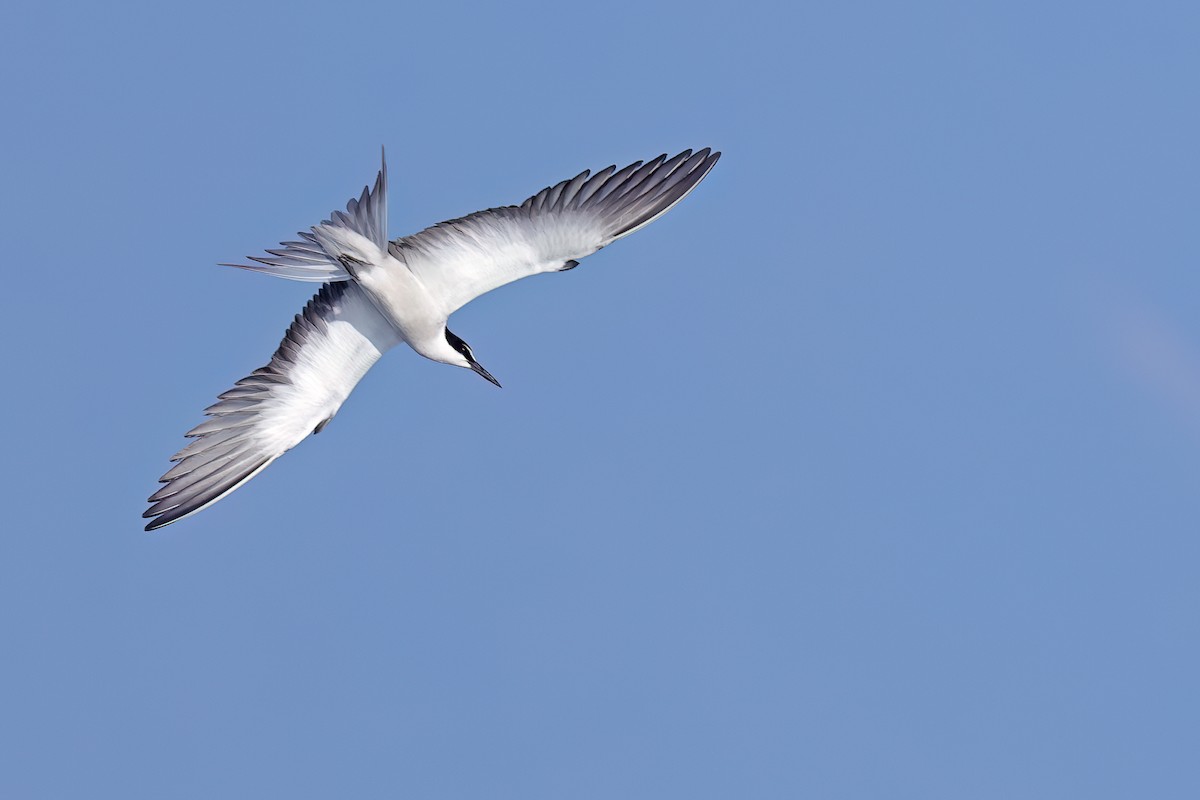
(480, 370)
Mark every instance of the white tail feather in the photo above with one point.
(308, 260)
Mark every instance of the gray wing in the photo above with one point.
(327, 350)
(305, 260)
(461, 259)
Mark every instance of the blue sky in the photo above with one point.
(868, 471)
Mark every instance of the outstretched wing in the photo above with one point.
(327, 350)
(305, 260)
(461, 259)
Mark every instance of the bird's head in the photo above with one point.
(463, 357)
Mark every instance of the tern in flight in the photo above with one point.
(378, 293)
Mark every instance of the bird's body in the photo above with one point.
(379, 293)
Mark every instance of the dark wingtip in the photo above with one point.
(156, 520)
